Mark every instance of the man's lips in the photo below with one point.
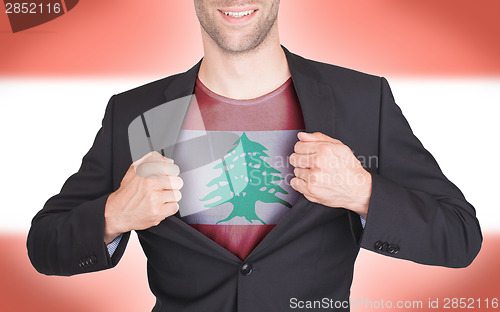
(237, 15)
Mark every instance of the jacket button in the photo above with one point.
(396, 249)
(93, 260)
(378, 245)
(384, 246)
(83, 263)
(390, 249)
(246, 269)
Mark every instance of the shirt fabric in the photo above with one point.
(239, 197)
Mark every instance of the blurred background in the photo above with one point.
(440, 57)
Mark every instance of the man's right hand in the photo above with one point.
(149, 192)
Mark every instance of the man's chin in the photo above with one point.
(239, 46)
(238, 50)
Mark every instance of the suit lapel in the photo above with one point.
(316, 99)
(158, 127)
(317, 104)
(183, 84)
(178, 96)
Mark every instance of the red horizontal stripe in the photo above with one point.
(23, 289)
(384, 37)
(277, 110)
(238, 239)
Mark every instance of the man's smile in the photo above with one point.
(237, 15)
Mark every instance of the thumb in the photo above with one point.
(144, 157)
(316, 137)
(152, 156)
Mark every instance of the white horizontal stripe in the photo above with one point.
(278, 143)
(48, 125)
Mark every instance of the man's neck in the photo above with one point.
(244, 76)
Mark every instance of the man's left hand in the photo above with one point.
(327, 172)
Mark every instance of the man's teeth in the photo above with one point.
(239, 14)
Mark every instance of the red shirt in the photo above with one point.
(238, 199)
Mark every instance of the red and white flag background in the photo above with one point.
(442, 59)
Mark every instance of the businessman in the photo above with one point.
(248, 231)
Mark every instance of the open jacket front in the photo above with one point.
(415, 213)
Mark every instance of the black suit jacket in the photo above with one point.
(415, 212)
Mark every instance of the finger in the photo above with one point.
(171, 208)
(149, 170)
(171, 196)
(132, 170)
(301, 186)
(152, 156)
(156, 157)
(146, 156)
(298, 184)
(302, 161)
(311, 176)
(305, 147)
(172, 183)
(316, 137)
(172, 169)
(301, 173)
(168, 160)
(157, 169)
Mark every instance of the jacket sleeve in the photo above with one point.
(67, 236)
(415, 212)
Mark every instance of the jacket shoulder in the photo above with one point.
(339, 75)
(151, 90)
(132, 103)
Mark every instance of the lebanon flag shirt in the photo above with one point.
(237, 178)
